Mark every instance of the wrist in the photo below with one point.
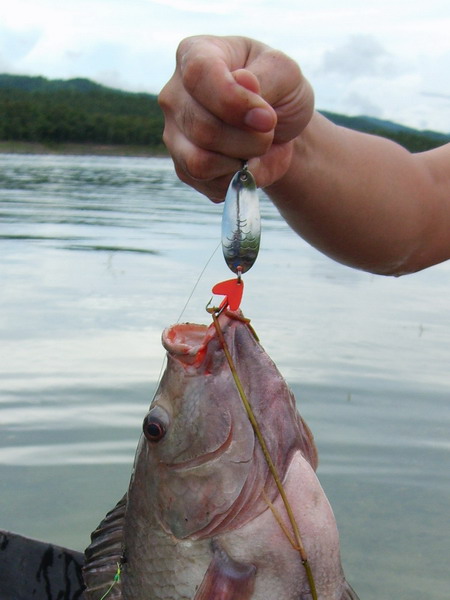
(310, 157)
(289, 184)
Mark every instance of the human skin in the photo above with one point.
(363, 200)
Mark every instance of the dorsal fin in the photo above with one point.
(104, 554)
(308, 446)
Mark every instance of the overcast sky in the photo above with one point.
(388, 58)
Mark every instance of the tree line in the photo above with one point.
(412, 139)
(35, 109)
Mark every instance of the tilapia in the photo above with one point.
(198, 521)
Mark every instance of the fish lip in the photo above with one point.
(185, 338)
(187, 343)
(204, 458)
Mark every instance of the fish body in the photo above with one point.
(198, 521)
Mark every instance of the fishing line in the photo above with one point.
(198, 281)
(115, 580)
(202, 272)
(297, 541)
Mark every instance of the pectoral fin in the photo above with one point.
(104, 554)
(226, 578)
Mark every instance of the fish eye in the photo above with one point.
(154, 429)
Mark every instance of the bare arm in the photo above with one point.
(366, 201)
(361, 199)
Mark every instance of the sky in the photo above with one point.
(388, 59)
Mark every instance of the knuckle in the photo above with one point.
(207, 134)
(256, 144)
(164, 98)
(280, 60)
(201, 129)
(192, 71)
(181, 174)
(198, 165)
(167, 139)
(169, 99)
(192, 60)
(187, 119)
(215, 190)
(185, 46)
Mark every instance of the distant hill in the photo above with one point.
(41, 84)
(414, 139)
(36, 109)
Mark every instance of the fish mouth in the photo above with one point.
(186, 340)
(198, 461)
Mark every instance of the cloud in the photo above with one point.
(357, 103)
(445, 97)
(4, 65)
(359, 56)
(207, 6)
(434, 70)
(17, 44)
(396, 56)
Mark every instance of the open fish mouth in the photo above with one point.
(187, 341)
(198, 461)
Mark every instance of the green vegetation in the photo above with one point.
(34, 109)
(71, 114)
(412, 139)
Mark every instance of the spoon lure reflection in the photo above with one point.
(241, 223)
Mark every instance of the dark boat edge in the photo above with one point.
(38, 570)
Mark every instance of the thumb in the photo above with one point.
(279, 81)
(259, 119)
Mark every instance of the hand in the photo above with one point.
(232, 99)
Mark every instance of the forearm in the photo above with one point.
(363, 200)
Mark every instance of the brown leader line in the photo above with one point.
(298, 545)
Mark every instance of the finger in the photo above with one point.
(214, 189)
(196, 164)
(206, 66)
(257, 119)
(207, 132)
(210, 173)
(272, 166)
(284, 87)
(247, 79)
(266, 170)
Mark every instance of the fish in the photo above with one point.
(203, 518)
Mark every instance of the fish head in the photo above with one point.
(199, 465)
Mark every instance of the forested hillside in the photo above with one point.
(413, 139)
(34, 109)
(79, 111)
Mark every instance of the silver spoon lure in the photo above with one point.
(241, 223)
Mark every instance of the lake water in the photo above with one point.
(98, 255)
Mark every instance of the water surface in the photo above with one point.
(98, 255)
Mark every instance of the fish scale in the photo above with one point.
(166, 566)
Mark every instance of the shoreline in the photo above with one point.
(10, 147)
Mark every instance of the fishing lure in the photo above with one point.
(241, 223)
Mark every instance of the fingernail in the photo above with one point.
(260, 119)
